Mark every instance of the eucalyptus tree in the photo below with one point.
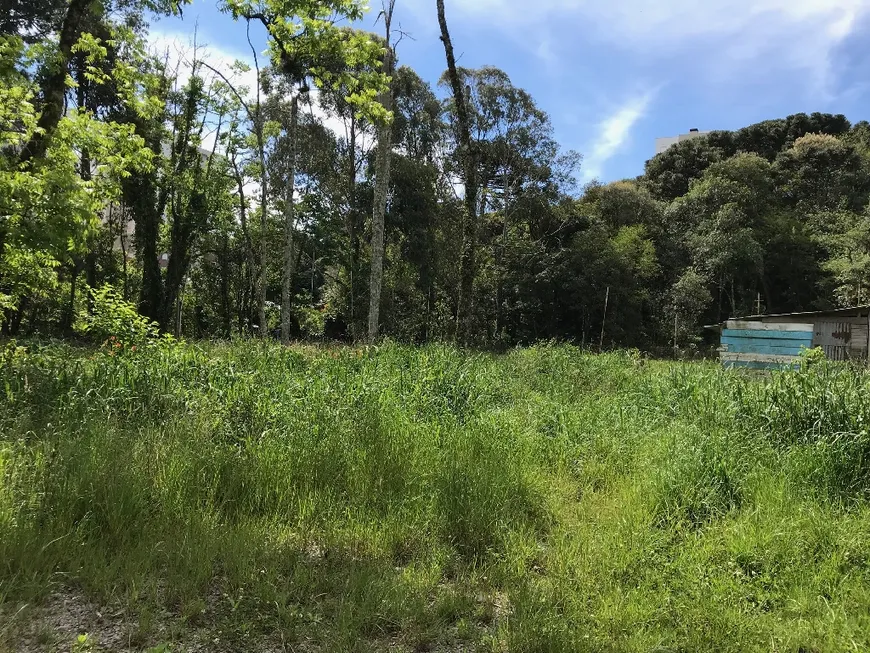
(521, 169)
(182, 187)
(468, 157)
(382, 180)
(307, 44)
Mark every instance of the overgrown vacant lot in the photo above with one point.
(254, 497)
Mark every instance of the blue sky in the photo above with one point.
(615, 74)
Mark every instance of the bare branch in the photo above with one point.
(232, 88)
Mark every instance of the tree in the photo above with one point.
(247, 153)
(719, 219)
(181, 189)
(32, 20)
(51, 203)
(420, 279)
(382, 183)
(689, 298)
(849, 261)
(306, 44)
(468, 157)
(289, 224)
(821, 172)
(624, 203)
(669, 174)
(76, 17)
(418, 127)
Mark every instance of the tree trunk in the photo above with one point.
(181, 238)
(250, 258)
(122, 221)
(289, 227)
(351, 222)
(54, 84)
(13, 325)
(382, 184)
(147, 231)
(143, 197)
(469, 161)
(378, 216)
(264, 205)
(225, 287)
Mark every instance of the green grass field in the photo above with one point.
(255, 497)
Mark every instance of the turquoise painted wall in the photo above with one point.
(763, 349)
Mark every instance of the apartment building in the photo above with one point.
(666, 142)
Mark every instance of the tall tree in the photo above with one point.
(821, 172)
(76, 17)
(382, 182)
(289, 225)
(306, 43)
(468, 157)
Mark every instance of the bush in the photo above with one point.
(116, 323)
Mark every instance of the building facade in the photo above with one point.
(666, 142)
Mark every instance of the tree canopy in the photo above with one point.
(220, 208)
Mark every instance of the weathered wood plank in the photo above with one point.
(767, 326)
(751, 346)
(754, 365)
(767, 342)
(803, 336)
(731, 357)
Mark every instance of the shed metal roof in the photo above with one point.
(833, 311)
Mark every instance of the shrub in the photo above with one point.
(116, 322)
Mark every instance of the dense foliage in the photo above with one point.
(222, 208)
(258, 497)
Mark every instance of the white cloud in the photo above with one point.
(547, 53)
(730, 36)
(178, 49)
(613, 133)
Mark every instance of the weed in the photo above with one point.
(357, 499)
(84, 643)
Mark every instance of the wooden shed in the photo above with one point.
(776, 340)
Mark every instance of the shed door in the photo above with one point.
(834, 338)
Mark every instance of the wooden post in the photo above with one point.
(675, 332)
(603, 319)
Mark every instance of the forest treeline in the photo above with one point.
(327, 190)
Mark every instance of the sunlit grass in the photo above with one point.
(357, 499)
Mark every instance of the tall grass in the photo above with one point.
(362, 499)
